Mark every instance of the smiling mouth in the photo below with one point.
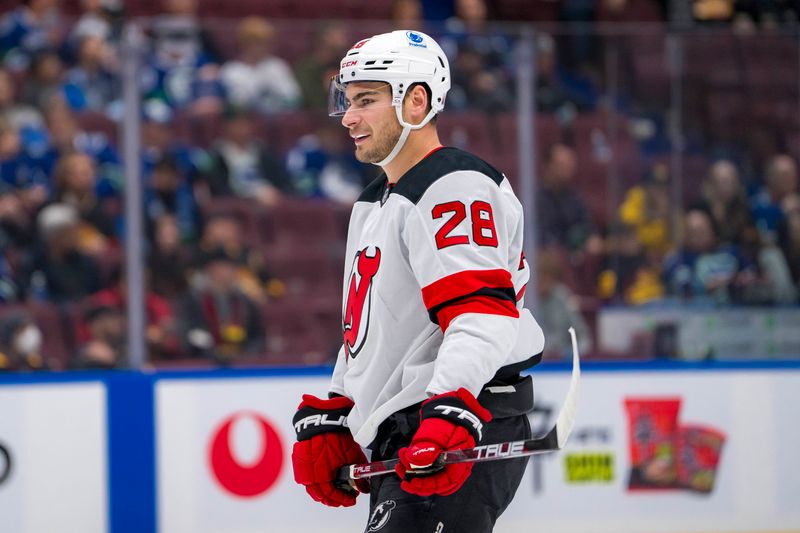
(358, 139)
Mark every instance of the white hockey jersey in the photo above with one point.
(433, 287)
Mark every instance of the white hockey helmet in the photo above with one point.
(400, 58)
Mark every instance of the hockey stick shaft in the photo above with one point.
(555, 439)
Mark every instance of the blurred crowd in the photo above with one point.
(215, 279)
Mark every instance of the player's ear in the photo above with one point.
(415, 104)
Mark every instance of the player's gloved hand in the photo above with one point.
(325, 444)
(450, 421)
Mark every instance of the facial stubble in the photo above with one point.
(384, 140)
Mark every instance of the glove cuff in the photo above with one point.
(315, 416)
(459, 408)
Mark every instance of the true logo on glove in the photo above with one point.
(463, 414)
(319, 420)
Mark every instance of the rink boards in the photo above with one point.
(209, 452)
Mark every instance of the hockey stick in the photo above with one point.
(555, 439)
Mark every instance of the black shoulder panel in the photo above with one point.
(374, 191)
(416, 181)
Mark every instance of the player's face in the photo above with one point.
(371, 120)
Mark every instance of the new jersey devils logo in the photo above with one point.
(355, 322)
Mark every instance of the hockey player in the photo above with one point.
(435, 335)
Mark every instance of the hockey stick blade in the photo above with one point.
(555, 439)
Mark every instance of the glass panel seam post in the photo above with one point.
(133, 44)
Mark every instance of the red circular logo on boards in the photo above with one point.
(250, 480)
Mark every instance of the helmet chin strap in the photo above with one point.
(404, 135)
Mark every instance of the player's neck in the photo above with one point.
(419, 144)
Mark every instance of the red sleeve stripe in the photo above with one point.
(521, 292)
(486, 305)
(463, 283)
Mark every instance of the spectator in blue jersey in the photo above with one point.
(178, 32)
(780, 181)
(159, 141)
(564, 219)
(477, 87)
(322, 165)
(66, 136)
(32, 27)
(168, 192)
(101, 18)
(182, 68)
(242, 166)
(470, 27)
(702, 269)
(56, 269)
(483, 67)
(20, 170)
(92, 84)
(556, 88)
(257, 79)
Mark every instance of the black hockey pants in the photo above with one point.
(487, 492)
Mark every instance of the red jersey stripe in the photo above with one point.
(521, 292)
(463, 283)
(486, 305)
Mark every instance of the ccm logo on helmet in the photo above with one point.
(319, 420)
(462, 414)
(350, 63)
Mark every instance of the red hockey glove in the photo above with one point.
(325, 444)
(450, 421)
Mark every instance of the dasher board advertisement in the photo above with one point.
(53, 458)
(676, 452)
(223, 459)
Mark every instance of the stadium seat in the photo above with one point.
(302, 333)
(98, 122)
(304, 223)
(246, 211)
(309, 273)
